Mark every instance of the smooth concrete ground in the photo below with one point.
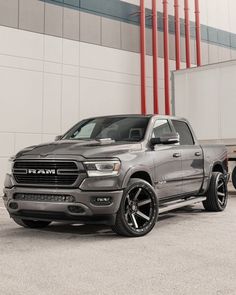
(189, 252)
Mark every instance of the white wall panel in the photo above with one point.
(49, 137)
(53, 49)
(23, 140)
(21, 100)
(21, 43)
(7, 146)
(104, 98)
(218, 14)
(52, 67)
(109, 59)
(70, 52)
(52, 103)
(70, 102)
(3, 165)
(232, 18)
(18, 62)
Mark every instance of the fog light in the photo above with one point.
(101, 201)
(13, 205)
(76, 209)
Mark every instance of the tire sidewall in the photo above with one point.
(234, 177)
(218, 177)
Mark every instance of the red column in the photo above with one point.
(143, 56)
(166, 57)
(198, 33)
(155, 57)
(187, 34)
(177, 35)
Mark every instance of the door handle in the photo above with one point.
(176, 155)
(198, 154)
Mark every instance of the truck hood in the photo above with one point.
(80, 149)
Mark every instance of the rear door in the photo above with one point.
(192, 158)
(167, 163)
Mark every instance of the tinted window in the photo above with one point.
(116, 128)
(185, 134)
(161, 127)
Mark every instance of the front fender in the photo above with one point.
(136, 169)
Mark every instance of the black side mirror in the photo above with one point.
(171, 138)
(58, 137)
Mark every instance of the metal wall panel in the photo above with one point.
(130, 37)
(9, 13)
(71, 23)
(53, 19)
(90, 28)
(111, 33)
(31, 15)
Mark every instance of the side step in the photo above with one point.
(169, 206)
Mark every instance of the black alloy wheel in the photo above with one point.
(138, 211)
(217, 195)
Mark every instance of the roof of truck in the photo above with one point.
(140, 115)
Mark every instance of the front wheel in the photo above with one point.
(138, 210)
(217, 195)
(31, 223)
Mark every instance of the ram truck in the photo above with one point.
(120, 171)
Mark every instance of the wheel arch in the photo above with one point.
(214, 167)
(141, 173)
(217, 167)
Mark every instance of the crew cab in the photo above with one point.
(117, 170)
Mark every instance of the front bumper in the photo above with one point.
(61, 211)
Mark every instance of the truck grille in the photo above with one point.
(51, 173)
(44, 198)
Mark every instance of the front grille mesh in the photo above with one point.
(53, 173)
(44, 198)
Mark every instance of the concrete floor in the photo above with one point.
(189, 252)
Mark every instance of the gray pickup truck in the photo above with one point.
(117, 170)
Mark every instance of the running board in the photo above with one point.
(169, 206)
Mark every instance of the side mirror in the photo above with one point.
(171, 138)
(58, 137)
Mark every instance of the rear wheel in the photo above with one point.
(31, 223)
(138, 210)
(234, 177)
(217, 195)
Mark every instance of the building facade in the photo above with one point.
(64, 60)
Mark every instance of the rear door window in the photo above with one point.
(186, 137)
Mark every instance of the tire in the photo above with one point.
(138, 210)
(217, 195)
(234, 177)
(31, 223)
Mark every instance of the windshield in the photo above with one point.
(115, 128)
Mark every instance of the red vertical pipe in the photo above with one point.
(166, 57)
(155, 57)
(143, 56)
(187, 33)
(177, 35)
(198, 33)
